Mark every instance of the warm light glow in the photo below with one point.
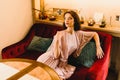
(15, 20)
(110, 8)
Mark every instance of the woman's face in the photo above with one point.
(69, 20)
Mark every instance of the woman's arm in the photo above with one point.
(99, 50)
(56, 48)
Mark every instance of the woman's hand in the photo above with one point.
(62, 63)
(100, 52)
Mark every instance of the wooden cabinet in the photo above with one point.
(115, 54)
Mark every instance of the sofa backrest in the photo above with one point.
(46, 30)
(49, 30)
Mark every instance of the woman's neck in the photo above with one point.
(70, 30)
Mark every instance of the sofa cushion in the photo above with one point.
(39, 44)
(86, 57)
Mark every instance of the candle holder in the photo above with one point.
(91, 22)
(103, 24)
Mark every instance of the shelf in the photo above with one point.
(114, 31)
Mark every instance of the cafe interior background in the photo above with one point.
(16, 18)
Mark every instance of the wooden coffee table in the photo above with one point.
(24, 69)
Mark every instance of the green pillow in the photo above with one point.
(40, 44)
(86, 57)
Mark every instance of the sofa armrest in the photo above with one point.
(99, 70)
(18, 48)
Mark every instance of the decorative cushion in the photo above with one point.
(86, 57)
(40, 44)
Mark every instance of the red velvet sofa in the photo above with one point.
(98, 71)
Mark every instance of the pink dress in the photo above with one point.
(63, 45)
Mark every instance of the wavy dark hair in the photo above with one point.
(77, 25)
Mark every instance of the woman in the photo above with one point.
(69, 41)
